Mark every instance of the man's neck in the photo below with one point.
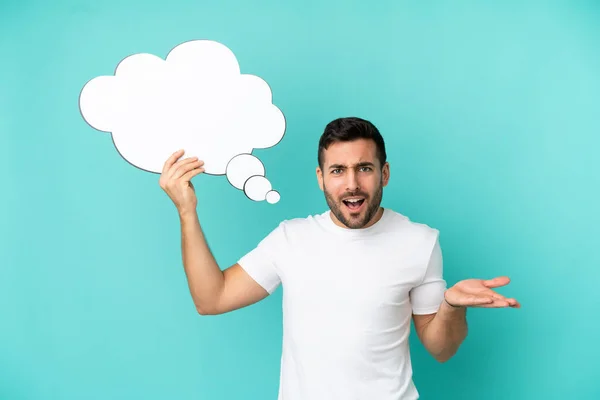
(372, 222)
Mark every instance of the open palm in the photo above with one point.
(479, 293)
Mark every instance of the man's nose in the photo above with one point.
(352, 183)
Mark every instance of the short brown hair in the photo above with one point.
(348, 129)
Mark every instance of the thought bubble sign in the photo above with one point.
(195, 99)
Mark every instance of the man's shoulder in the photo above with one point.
(295, 230)
(402, 221)
(306, 222)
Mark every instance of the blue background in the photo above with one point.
(490, 114)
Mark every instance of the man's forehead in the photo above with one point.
(350, 153)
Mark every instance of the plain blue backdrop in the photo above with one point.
(490, 114)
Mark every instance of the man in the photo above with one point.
(353, 277)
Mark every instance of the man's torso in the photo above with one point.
(346, 307)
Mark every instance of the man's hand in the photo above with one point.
(444, 331)
(175, 180)
(479, 293)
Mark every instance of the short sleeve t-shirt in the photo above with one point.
(348, 299)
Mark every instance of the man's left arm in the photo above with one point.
(443, 331)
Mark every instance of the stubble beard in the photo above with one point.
(355, 222)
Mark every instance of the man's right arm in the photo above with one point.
(213, 291)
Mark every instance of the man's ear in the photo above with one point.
(320, 177)
(385, 174)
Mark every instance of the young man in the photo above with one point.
(353, 277)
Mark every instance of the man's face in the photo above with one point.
(353, 180)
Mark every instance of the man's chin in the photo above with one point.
(355, 220)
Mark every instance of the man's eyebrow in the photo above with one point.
(336, 166)
(361, 164)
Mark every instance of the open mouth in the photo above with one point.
(354, 204)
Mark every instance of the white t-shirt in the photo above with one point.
(348, 296)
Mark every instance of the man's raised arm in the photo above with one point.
(213, 291)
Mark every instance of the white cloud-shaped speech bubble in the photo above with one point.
(197, 100)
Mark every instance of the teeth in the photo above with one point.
(353, 200)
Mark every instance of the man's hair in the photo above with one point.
(348, 129)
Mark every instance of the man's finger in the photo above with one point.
(494, 295)
(497, 282)
(190, 174)
(474, 300)
(175, 172)
(185, 168)
(171, 160)
(496, 304)
(514, 303)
